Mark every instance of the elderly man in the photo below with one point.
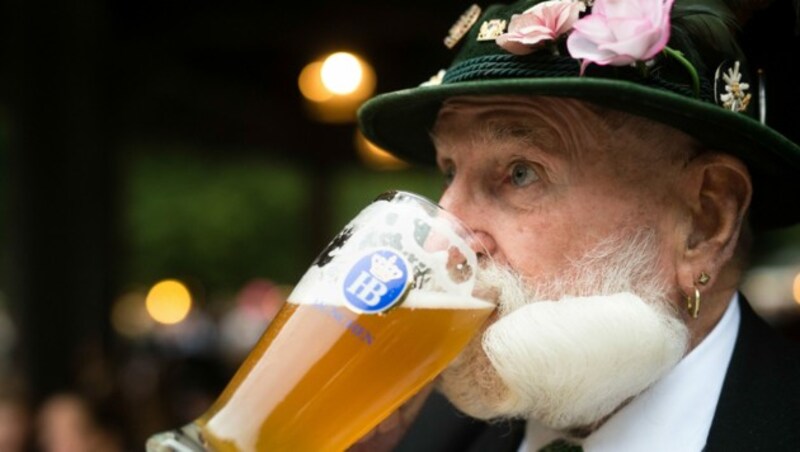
(603, 154)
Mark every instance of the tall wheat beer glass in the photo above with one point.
(385, 307)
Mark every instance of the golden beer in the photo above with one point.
(382, 310)
(322, 376)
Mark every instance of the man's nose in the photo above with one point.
(465, 207)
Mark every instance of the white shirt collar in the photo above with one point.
(673, 414)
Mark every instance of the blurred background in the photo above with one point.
(170, 169)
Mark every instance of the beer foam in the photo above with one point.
(416, 299)
(422, 299)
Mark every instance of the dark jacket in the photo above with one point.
(758, 409)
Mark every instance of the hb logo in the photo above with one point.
(376, 282)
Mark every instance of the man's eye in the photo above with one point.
(523, 174)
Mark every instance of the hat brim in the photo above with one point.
(401, 122)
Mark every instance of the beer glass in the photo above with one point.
(382, 310)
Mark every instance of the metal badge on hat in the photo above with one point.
(462, 26)
(492, 29)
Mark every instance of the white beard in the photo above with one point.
(572, 362)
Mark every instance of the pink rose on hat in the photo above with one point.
(621, 32)
(545, 21)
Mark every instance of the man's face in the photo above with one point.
(534, 202)
(573, 209)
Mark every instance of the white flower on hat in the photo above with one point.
(735, 97)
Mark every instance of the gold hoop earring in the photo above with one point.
(693, 304)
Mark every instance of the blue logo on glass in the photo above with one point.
(376, 282)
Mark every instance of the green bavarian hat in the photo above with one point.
(676, 63)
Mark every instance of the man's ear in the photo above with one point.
(717, 194)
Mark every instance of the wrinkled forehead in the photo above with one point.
(564, 125)
(549, 122)
(553, 112)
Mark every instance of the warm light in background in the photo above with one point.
(341, 73)
(336, 85)
(168, 302)
(129, 316)
(375, 157)
(796, 290)
(773, 290)
(311, 85)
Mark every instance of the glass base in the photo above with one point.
(185, 439)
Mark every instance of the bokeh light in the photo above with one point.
(341, 73)
(129, 316)
(310, 83)
(796, 290)
(335, 86)
(168, 302)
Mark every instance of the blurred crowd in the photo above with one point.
(65, 422)
(149, 380)
(144, 397)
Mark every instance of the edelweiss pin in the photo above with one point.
(492, 29)
(462, 26)
(733, 95)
